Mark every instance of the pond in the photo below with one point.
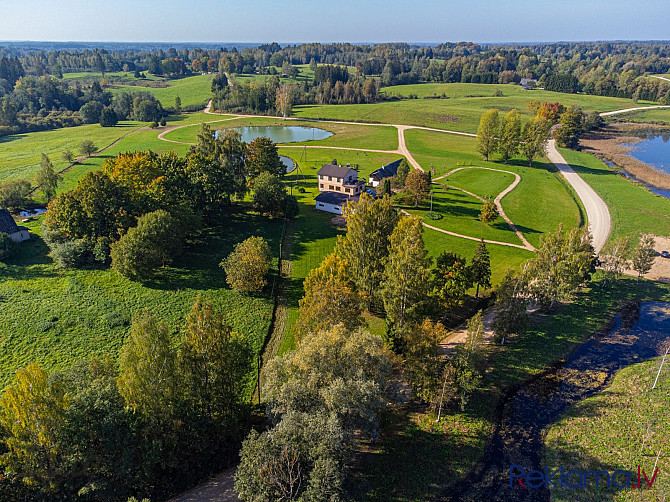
(282, 134)
(634, 335)
(288, 162)
(654, 151)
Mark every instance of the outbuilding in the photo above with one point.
(387, 171)
(8, 226)
(334, 202)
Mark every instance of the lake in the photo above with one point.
(654, 151)
(282, 134)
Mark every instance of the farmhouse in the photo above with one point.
(342, 179)
(387, 171)
(8, 226)
(528, 83)
(338, 185)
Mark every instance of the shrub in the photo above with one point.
(247, 266)
(7, 246)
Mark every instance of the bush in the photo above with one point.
(247, 266)
(91, 112)
(7, 246)
(108, 118)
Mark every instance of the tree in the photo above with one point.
(480, 267)
(87, 147)
(422, 358)
(14, 193)
(451, 279)
(147, 379)
(214, 362)
(404, 289)
(563, 263)
(177, 103)
(386, 187)
(302, 458)
(417, 185)
(370, 224)
(91, 112)
(571, 126)
(470, 359)
(614, 258)
(108, 117)
(47, 178)
(337, 371)
(643, 255)
(534, 138)
(31, 412)
(247, 266)
(312, 64)
(487, 133)
(489, 212)
(284, 99)
(269, 196)
(510, 309)
(155, 241)
(330, 298)
(68, 156)
(398, 180)
(262, 156)
(510, 135)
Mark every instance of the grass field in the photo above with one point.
(633, 208)
(605, 432)
(459, 112)
(657, 116)
(537, 205)
(57, 317)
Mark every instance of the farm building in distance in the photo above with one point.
(338, 185)
(387, 171)
(8, 226)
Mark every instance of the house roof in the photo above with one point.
(7, 223)
(335, 198)
(387, 171)
(337, 171)
(526, 81)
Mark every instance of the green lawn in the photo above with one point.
(460, 214)
(633, 208)
(537, 205)
(459, 112)
(193, 90)
(56, 317)
(605, 432)
(656, 116)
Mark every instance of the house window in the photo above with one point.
(320, 185)
(339, 189)
(320, 205)
(331, 187)
(347, 190)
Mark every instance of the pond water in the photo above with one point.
(288, 162)
(633, 336)
(654, 151)
(282, 134)
(33, 212)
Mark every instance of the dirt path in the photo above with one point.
(217, 489)
(459, 335)
(637, 108)
(498, 200)
(597, 213)
(662, 78)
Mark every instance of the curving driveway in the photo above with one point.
(597, 213)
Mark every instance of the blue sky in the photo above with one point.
(334, 20)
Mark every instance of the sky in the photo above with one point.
(292, 21)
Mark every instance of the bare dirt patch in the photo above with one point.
(660, 270)
(610, 143)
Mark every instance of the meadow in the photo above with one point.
(55, 317)
(460, 110)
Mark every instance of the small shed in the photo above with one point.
(528, 83)
(8, 226)
(334, 202)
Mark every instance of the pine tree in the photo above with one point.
(480, 267)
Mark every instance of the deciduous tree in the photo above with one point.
(489, 212)
(417, 185)
(487, 133)
(534, 138)
(47, 178)
(451, 279)
(248, 265)
(510, 135)
(643, 255)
